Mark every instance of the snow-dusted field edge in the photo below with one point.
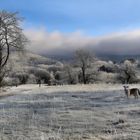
(33, 88)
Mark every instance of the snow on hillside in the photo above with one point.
(27, 67)
(31, 59)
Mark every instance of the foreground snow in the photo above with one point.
(79, 112)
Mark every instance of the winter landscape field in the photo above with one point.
(68, 69)
(69, 112)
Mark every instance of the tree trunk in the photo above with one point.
(0, 66)
(84, 76)
(128, 79)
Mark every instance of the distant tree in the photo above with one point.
(42, 75)
(71, 74)
(59, 76)
(22, 78)
(127, 72)
(84, 59)
(11, 38)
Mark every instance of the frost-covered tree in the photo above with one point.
(128, 72)
(84, 59)
(11, 37)
(71, 74)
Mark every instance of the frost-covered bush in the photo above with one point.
(104, 77)
(8, 81)
(54, 68)
(32, 79)
(127, 72)
(43, 75)
(22, 77)
(59, 75)
(71, 74)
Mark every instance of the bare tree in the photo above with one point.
(11, 37)
(84, 59)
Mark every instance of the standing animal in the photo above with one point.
(131, 92)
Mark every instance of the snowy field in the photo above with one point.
(81, 112)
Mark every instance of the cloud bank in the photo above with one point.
(57, 43)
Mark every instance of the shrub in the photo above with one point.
(43, 75)
(22, 77)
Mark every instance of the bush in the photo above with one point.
(128, 73)
(22, 77)
(11, 81)
(54, 68)
(32, 79)
(43, 75)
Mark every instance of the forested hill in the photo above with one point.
(118, 58)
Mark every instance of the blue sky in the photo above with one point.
(93, 17)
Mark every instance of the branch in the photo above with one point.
(8, 50)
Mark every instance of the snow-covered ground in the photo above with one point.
(33, 88)
(77, 112)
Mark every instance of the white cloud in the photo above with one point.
(57, 43)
